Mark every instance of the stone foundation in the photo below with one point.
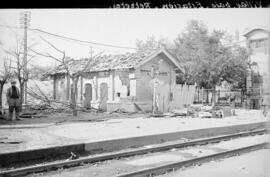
(129, 106)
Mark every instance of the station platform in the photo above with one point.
(32, 141)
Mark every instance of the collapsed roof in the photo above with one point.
(108, 62)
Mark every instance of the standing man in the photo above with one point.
(13, 99)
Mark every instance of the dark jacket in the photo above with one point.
(9, 93)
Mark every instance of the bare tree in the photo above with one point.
(19, 70)
(73, 75)
(5, 75)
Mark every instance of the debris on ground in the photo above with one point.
(180, 112)
(204, 114)
(207, 111)
(73, 156)
(4, 117)
(157, 115)
(31, 115)
(201, 111)
(48, 107)
(206, 108)
(192, 111)
(177, 113)
(119, 110)
(6, 140)
(222, 111)
(11, 142)
(169, 114)
(91, 120)
(196, 107)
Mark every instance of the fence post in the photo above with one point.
(202, 96)
(198, 95)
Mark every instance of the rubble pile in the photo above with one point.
(202, 111)
(119, 110)
(180, 112)
(214, 111)
(48, 107)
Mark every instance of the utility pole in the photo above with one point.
(91, 52)
(25, 23)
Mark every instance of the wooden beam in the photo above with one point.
(67, 87)
(54, 87)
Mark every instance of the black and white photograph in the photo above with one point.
(114, 92)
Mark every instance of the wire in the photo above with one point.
(76, 42)
(90, 42)
(71, 39)
(83, 41)
(83, 44)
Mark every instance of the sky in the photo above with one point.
(119, 27)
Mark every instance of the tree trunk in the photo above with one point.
(1, 96)
(214, 96)
(22, 94)
(207, 96)
(74, 89)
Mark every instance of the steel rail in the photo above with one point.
(113, 155)
(163, 169)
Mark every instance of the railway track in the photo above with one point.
(143, 150)
(163, 169)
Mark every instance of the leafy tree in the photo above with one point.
(199, 52)
(152, 43)
(207, 60)
(235, 68)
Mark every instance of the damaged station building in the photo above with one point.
(113, 82)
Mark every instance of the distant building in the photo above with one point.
(258, 45)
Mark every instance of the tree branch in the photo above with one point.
(52, 45)
(45, 55)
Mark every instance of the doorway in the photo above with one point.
(103, 96)
(88, 95)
